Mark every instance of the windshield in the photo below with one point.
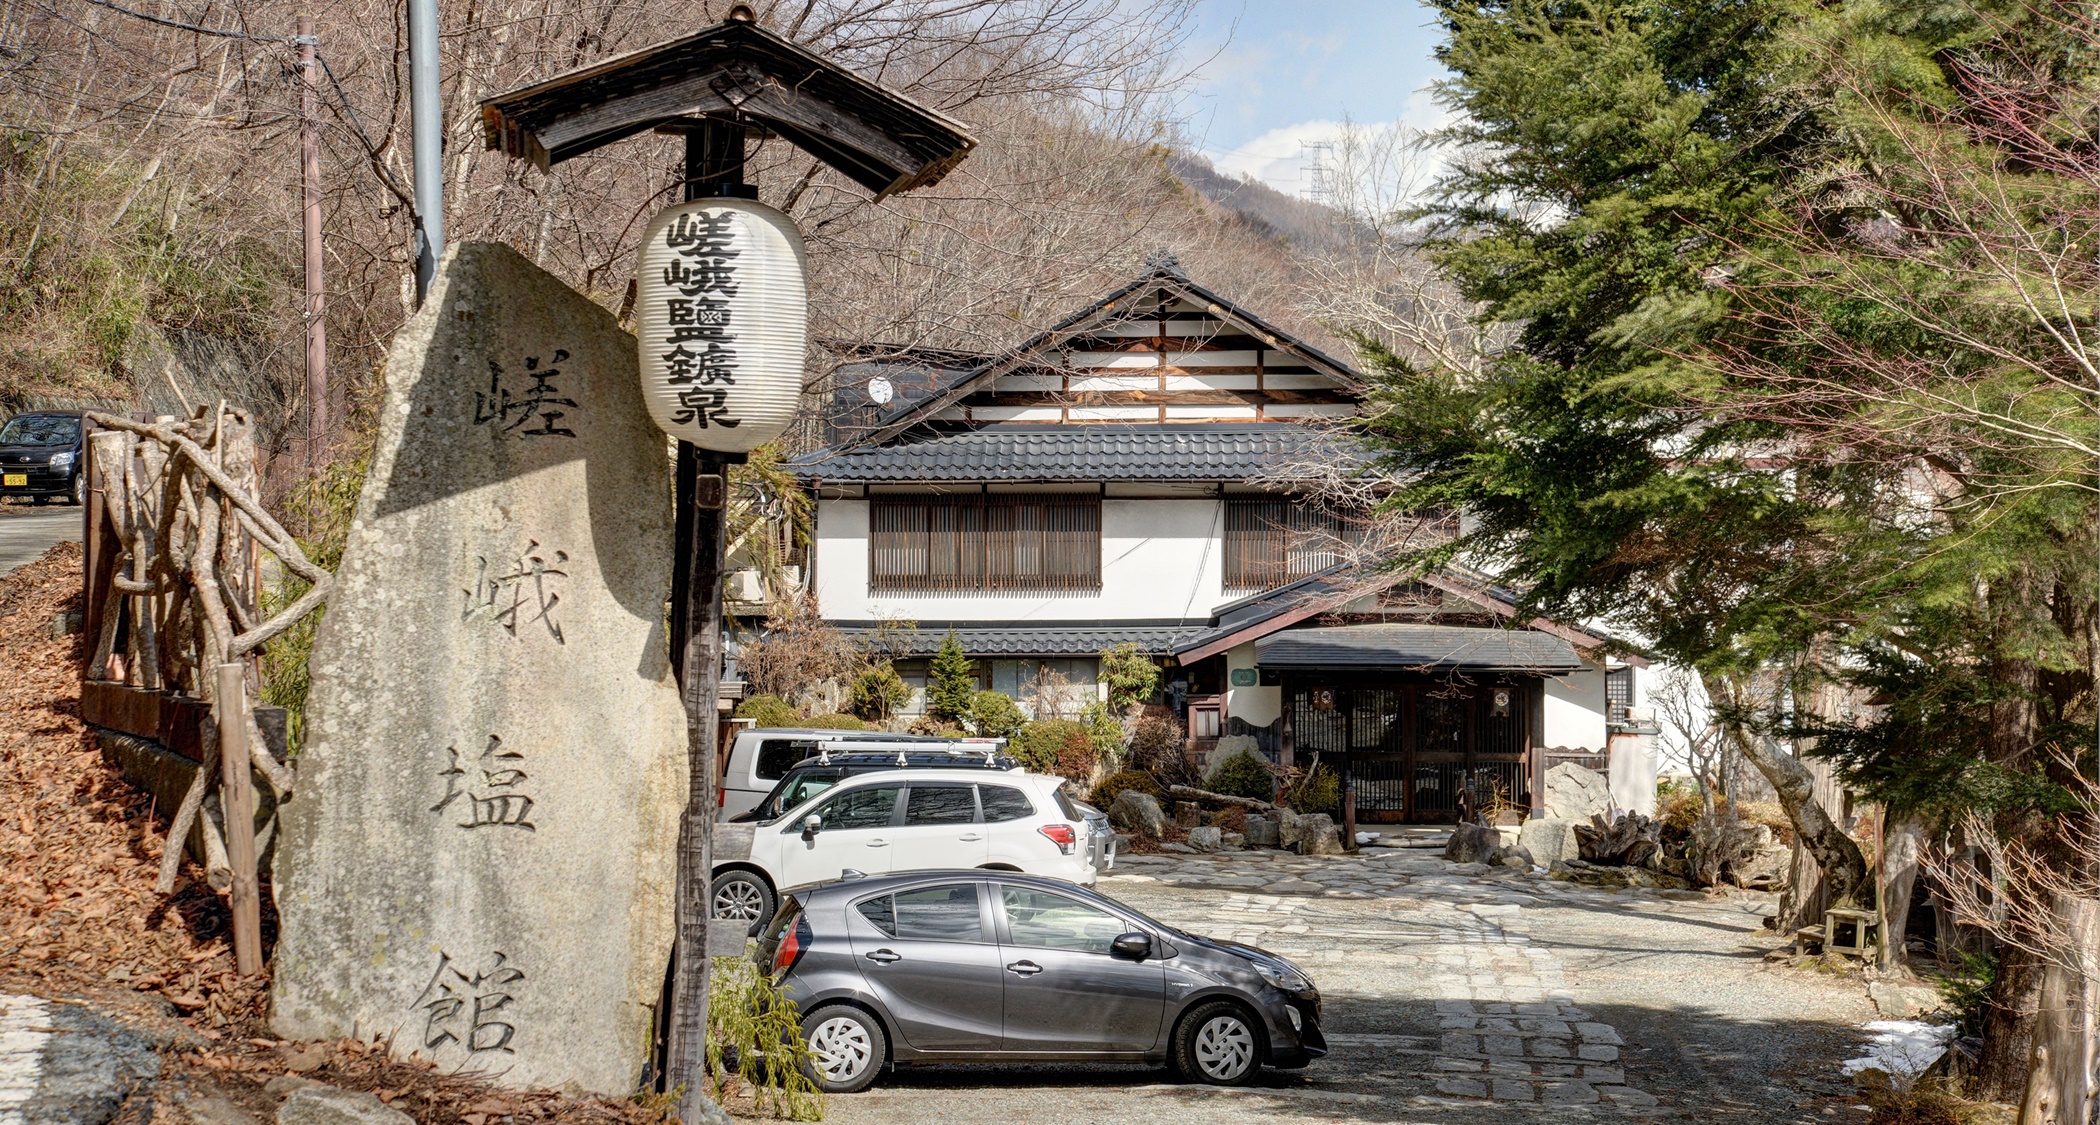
(795, 789)
(41, 429)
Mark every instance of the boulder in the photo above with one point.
(1472, 843)
(1138, 812)
(1234, 841)
(1206, 839)
(495, 746)
(1518, 857)
(1549, 840)
(1576, 793)
(1290, 828)
(1261, 832)
(1228, 746)
(1318, 836)
(1899, 1001)
(330, 1105)
(1767, 868)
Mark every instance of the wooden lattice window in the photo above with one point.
(1618, 694)
(985, 544)
(1274, 540)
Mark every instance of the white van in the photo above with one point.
(761, 756)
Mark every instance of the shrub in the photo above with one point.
(754, 1036)
(1075, 758)
(950, 682)
(1104, 729)
(1243, 775)
(1039, 744)
(769, 711)
(934, 724)
(994, 714)
(1105, 793)
(878, 691)
(1130, 674)
(1319, 790)
(1156, 747)
(835, 721)
(1232, 819)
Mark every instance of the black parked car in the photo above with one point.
(993, 966)
(40, 455)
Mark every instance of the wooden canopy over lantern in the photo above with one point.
(733, 71)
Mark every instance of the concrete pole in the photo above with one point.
(427, 134)
(316, 281)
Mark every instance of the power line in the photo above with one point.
(181, 26)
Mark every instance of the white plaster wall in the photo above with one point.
(1159, 561)
(1257, 706)
(1574, 711)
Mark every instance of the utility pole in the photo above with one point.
(316, 280)
(427, 134)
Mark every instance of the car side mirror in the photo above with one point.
(1132, 946)
(810, 825)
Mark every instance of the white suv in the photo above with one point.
(906, 820)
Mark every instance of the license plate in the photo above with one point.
(14, 480)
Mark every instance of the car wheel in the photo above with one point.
(1218, 1044)
(740, 896)
(79, 489)
(846, 1048)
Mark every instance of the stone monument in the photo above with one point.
(478, 861)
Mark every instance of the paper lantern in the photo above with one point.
(722, 311)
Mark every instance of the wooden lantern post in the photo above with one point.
(718, 87)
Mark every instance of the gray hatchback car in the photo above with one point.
(994, 966)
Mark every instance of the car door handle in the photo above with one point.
(878, 843)
(884, 956)
(1024, 968)
(970, 838)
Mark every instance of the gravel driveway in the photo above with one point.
(1459, 997)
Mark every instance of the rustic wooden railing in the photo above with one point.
(176, 543)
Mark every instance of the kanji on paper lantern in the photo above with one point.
(722, 312)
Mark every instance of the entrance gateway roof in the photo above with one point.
(1424, 647)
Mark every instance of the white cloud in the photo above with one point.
(1278, 157)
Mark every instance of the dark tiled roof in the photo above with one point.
(1034, 638)
(1231, 451)
(1417, 646)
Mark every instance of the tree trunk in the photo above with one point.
(1902, 842)
(2009, 1027)
(1838, 858)
(2060, 1070)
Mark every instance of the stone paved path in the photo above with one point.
(1457, 996)
(24, 1031)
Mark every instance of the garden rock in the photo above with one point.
(1290, 828)
(1261, 832)
(1899, 1001)
(1518, 857)
(330, 1105)
(1599, 875)
(1234, 840)
(80, 1066)
(496, 747)
(1550, 840)
(1206, 839)
(1318, 836)
(1576, 793)
(1187, 814)
(1228, 746)
(1472, 843)
(1138, 812)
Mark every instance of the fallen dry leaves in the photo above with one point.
(79, 852)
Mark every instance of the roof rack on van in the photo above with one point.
(988, 748)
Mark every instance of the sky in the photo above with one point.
(1274, 74)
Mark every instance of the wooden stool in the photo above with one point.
(1864, 925)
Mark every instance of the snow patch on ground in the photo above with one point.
(1902, 1048)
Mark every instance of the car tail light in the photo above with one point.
(721, 797)
(793, 944)
(1061, 835)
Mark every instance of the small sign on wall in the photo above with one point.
(1245, 677)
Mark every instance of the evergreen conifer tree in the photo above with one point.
(951, 681)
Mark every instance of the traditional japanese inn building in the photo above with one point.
(1135, 473)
